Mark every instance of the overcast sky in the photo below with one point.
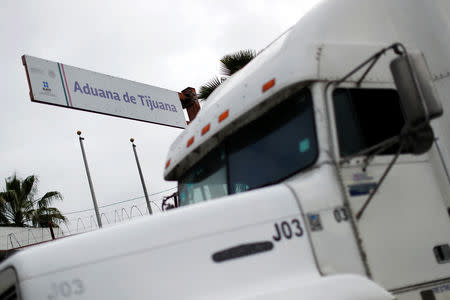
(169, 44)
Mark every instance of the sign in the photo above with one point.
(63, 85)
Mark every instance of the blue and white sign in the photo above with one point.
(63, 85)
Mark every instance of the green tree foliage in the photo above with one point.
(208, 88)
(19, 207)
(230, 64)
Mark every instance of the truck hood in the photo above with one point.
(188, 253)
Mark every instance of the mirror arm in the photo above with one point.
(398, 48)
(374, 61)
(391, 164)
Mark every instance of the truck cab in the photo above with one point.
(293, 118)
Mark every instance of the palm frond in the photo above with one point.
(48, 198)
(3, 218)
(232, 63)
(45, 216)
(29, 187)
(8, 196)
(12, 183)
(208, 88)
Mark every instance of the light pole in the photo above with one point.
(142, 177)
(91, 186)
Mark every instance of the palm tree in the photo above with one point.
(19, 207)
(230, 64)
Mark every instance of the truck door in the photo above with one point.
(405, 229)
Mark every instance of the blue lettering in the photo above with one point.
(77, 87)
(86, 89)
(442, 289)
(142, 99)
(126, 98)
(151, 106)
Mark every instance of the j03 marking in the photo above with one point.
(66, 289)
(287, 230)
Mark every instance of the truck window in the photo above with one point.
(275, 146)
(366, 117)
(206, 180)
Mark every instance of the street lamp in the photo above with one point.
(91, 186)
(142, 177)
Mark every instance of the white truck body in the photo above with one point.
(298, 237)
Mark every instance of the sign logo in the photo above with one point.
(45, 86)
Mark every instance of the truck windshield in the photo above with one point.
(275, 146)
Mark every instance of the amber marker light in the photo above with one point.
(190, 142)
(268, 85)
(223, 116)
(206, 129)
(167, 163)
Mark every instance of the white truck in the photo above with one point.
(319, 171)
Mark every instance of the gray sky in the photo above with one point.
(170, 44)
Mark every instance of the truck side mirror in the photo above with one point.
(418, 99)
(418, 96)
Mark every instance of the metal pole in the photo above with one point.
(142, 177)
(91, 186)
